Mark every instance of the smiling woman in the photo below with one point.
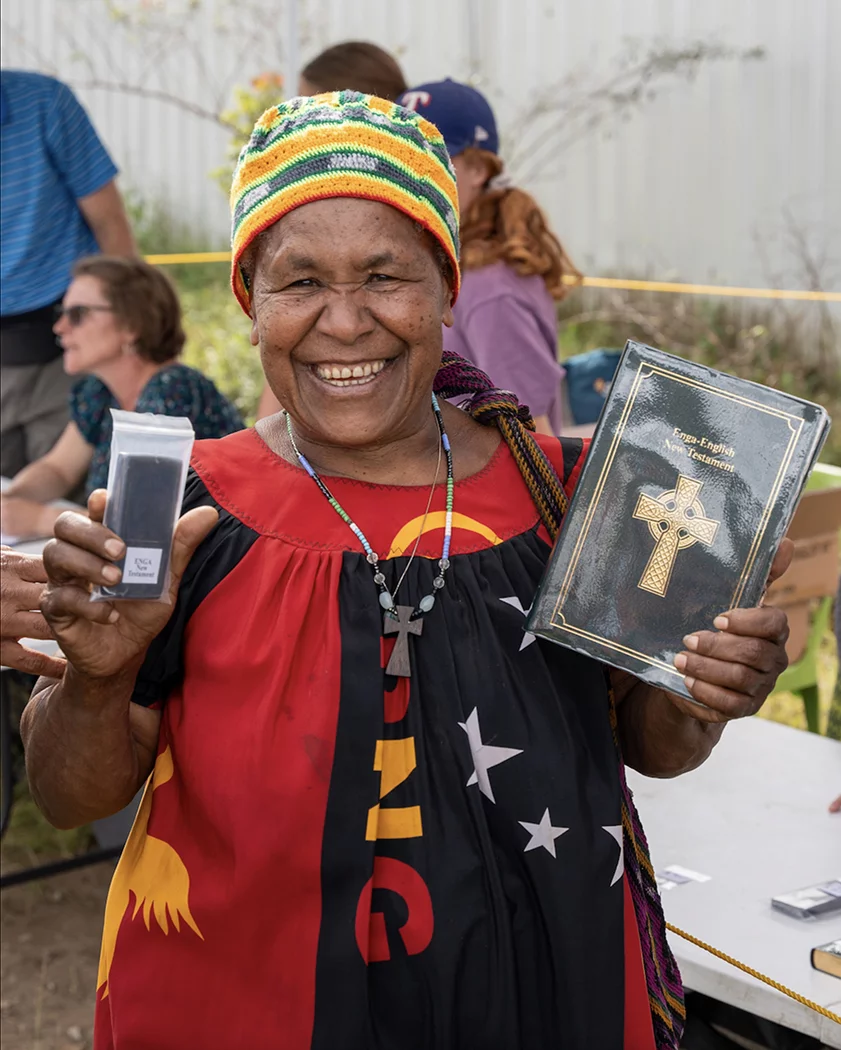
(119, 328)
(346, 300)
(386, 816)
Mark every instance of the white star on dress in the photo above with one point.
(484, 756)
(515, 603)
(615, 832)
(542, 834)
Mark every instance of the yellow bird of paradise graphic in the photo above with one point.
(150, 869)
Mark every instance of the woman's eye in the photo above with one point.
(304, 282)
(380, 277)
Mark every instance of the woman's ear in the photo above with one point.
(447, 296)
(130, 340)
(255, 335)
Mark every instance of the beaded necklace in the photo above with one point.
(400, 619)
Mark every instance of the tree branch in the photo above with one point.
(96, 84)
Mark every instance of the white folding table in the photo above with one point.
(754, 818)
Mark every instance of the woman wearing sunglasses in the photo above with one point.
(119, 327)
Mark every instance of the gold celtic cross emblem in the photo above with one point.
(676, 520)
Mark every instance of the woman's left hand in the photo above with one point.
(733, 670)
(25, 517)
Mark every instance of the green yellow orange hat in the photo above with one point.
(342, 144)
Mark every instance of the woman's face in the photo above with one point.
(90, 333)
(471, 175)
(347, 306)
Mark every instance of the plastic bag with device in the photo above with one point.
(147, 473)
(812, 902)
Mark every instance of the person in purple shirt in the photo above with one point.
(513, 266)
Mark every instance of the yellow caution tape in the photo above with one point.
(706, 289)
(188, 257)
(675, 287)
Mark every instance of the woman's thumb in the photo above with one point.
(191, 529)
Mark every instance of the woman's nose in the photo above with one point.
(345, 317)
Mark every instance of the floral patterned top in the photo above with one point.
(176, 390)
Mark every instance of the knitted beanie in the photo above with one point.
(342, 144)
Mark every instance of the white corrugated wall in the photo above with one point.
(706, 181)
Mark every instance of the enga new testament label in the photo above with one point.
(142, 565)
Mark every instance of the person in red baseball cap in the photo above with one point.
(514, 267)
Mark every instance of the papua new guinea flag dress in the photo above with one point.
(330, 857)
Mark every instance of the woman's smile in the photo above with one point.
(343, 374)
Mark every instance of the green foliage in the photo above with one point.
(218, 342)
(30, 838)
(158, 229)
(249, 103)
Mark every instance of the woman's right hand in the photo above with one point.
(103, 639)
(25, 517)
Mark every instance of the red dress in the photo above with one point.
(330, 857)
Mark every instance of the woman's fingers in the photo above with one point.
(62, 605)
(722, 705)
(13, 654)
(735, 678)
(67, 563)
(82, 550)
(29, 624)
(766, 622)
(782, 560)
(191, 529)
(88, 534)
(706, 649)
(734, 669)
(96, 504)
(28, 567)
(699, 711)
(22, 597)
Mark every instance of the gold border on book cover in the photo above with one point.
(660, 575)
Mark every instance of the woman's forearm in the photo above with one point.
(657, 739)
(82, 757)
(40, 481)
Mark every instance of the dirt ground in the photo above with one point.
(49, 952)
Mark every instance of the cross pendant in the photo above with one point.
(402, 625)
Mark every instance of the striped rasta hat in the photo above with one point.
(342, 144)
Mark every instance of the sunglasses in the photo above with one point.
(77, 313)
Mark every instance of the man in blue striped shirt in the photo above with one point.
(58, 202)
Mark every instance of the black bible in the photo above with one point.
(690, 483)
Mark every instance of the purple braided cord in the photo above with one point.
(457, 377)
(662, 976)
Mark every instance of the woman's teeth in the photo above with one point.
(349, 375)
